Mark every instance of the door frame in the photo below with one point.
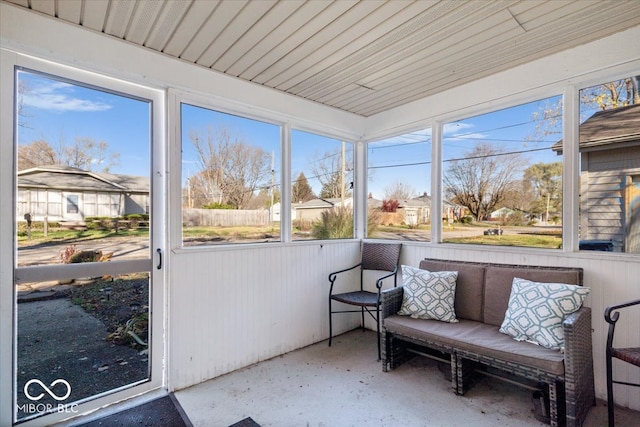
(9, 273)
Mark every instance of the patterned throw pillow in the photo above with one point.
(428, 295)
(536, 311)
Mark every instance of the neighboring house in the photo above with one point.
(418, 210)
(312, 210)
(64, 193)
(501, 213)
(610, 177)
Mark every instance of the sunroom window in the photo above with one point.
(502, 177)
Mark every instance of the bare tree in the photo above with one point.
(399, 191)
(334, 173)
(38, 153)
(231, 171)
(482, 180)
(85, 153)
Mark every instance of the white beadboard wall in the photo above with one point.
(232, 308)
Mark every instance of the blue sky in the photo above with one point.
(58, 111)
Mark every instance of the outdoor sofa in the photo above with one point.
(474, 344)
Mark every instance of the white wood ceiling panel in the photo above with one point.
(94, 14)
(118, 17)
(420, 39)
(245, 42)
(280, 34)
(168, 20)
(206, 35)
(360, 56)
(69, 10)
(278, 59)
(142, 21)
(307, 83)
(479, 64)
(367, 30)
(529, 10)
(304, 54)
(438, 60)
(251, 14)
(193, 20)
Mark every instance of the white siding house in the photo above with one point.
(62, 193)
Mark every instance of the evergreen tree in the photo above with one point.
(301, 191)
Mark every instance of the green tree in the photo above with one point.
(301, 191)
(546, 182)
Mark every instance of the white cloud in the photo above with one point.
(59, 97)
(459, 131)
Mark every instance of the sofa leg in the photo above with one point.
(465, 369)
(557, 406)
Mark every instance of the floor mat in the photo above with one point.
(161, 412)
(247, 422)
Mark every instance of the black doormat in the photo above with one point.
(247, 422)
(162, 412)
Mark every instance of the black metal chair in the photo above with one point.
(629, 355)
(375, 256)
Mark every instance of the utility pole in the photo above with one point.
(342, 175)
(273, 173)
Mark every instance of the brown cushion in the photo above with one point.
(478, 338)
(498, 286)
(469, 286)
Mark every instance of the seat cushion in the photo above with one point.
(478, 338)
(498, 281)
(359, 298)
(469, 286)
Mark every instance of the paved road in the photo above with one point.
(125, 247)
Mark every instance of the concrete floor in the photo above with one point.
(344, 385)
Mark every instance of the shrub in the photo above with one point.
(217, 206)
(390, 205)
(466, 219)
(334, 224)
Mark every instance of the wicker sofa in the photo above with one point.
(475, 345)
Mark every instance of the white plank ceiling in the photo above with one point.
(360, 56)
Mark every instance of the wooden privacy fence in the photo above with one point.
(224, 217)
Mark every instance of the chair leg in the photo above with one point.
(362, 314)
(378, 328)
(610, 404)
(330, 324)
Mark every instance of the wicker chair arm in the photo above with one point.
(332, 276)
(391, 301)
(611, 313)
(381, 279)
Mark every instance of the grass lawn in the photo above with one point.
(549, 241)
(230, 233)
(61, 235)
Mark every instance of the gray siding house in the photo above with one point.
(610, 178)
(63, 193)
